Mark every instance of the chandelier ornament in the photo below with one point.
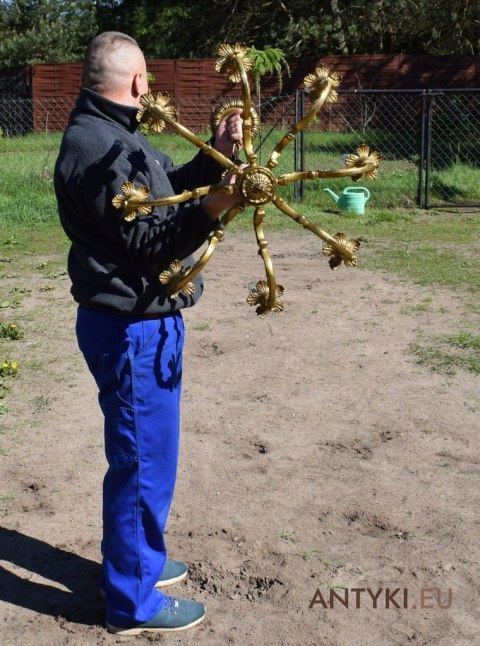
(255, 185)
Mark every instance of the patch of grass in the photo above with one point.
(38, 238)
(464, 340)
(312, 553)
(35, 142)
(201, 327)
(423, 306)
(450, 353)
(28, 211)
(11, 331)
(289, 536)
(13, 303)
(426, 265)
(53, 269)
(8, 369)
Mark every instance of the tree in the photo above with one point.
(45, 30)
(38, 31)
(163, 29)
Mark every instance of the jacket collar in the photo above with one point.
(91, 102)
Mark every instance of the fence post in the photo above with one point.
(296, 151)
(299, 149)
(421, 162)
(428, 145)
(302, 144)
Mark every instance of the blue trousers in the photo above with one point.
(137, 365)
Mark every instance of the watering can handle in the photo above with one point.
(358, 189)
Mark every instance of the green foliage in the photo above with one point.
(38, 31)
(34, 31)
(7, 369)
(268, 61)
(163, 30)
(11, 331)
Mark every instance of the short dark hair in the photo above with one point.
(94, 70)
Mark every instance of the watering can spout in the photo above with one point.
(333, 195)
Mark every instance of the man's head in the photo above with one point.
(115, 67)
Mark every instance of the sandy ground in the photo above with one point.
(318, 458)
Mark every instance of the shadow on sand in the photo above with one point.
(80, 604)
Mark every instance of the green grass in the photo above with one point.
(11, 331)
(427, 265)
(426, 247)
(37, 142)
(449, 353)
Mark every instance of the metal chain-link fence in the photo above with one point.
(19, 117)
(429, 139)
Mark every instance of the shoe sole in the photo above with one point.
(171, 581)
(138, 631)
(158, 584)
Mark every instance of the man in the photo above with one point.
(129, 330)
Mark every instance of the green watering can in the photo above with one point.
(353, 199)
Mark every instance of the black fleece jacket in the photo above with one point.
(114, 264)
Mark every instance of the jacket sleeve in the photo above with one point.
(150, 242)
(202, 170)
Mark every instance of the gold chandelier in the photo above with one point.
(255, 185)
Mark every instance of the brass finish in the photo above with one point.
(260, 296)
(229, 61)
(255, 185)
(132, 201)
(175, 275)
(364, 159)
(157, 111)
(227, 106)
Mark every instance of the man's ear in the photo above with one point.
(137, 86)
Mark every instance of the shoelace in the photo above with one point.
(171, 605)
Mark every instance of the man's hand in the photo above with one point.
(229, 133)
(216, 204)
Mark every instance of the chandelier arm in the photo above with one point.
(346, 254)
(192, 138)
(287, 178)
(262, 243)
(182, 197)
(177, 284)
(247, 111)
(231, 214)
(300, 125)
(217, 236)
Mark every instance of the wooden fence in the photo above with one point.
(196, 80)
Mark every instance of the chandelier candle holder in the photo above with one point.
(255, 185)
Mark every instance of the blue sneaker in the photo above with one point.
(173, 572)
(177, 614)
